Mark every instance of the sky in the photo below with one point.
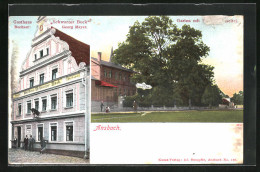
(223, 34)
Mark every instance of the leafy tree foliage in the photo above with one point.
(211, 96)
(238, 98)
(168, 58)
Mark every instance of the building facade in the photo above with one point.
(109, 83)
(52, 82)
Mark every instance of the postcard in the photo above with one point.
(126, 89)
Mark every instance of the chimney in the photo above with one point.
(99, 56)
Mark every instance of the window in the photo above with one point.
(69, 131)
(44, 104)
(31, 82)
(47, 51)
(19, 109)
(54, 73)
(35, 56)
(124, 77)
(110, 74)
(29, 106)
(40, 132)
(116, 75)
(36, 104)
(105, 73)
(120, 76)
(53, 131)
(41, 78)
(69, 99)
(28, 130)
(41, 53)
(54, 102)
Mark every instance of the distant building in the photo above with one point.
(51, 82)
(109, 82)
(227, 103)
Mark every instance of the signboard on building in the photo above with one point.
(143, 86)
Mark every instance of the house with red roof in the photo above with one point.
(52, 83)
(110, 82)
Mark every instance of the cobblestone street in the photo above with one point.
(19, 156)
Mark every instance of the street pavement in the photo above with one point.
(19, 156)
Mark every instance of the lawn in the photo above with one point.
(172, 116)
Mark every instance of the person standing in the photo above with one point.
(31, 141)
(25, 143)
(15, 142)
(101, 105)
(43, 145)
(135, 106)
(107, 109)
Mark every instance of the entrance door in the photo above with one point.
(19, 136)
(40, 132)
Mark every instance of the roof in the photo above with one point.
(104, 84)
(227, 99)
(80, 51)
(111, 64)
(93, 78)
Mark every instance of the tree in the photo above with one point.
(168, 58)
(211, 96)
(238, 98)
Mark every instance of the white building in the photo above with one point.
(52, 81)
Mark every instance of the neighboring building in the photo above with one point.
(226, 103)
(51, 81)
(109, 82)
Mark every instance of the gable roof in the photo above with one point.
(80, 51)
(111, 64)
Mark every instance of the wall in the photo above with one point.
(78, 130)
(61, 102)
(99, 93)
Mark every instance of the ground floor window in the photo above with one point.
(69, 131)
(53, 132)
(28, 130)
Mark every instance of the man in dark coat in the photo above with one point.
(15, 142)
(25, 143)
(43, 145)
(101, 105)
(31, 142)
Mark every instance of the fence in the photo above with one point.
(95, 107)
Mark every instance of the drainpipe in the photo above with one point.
(87, 111)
